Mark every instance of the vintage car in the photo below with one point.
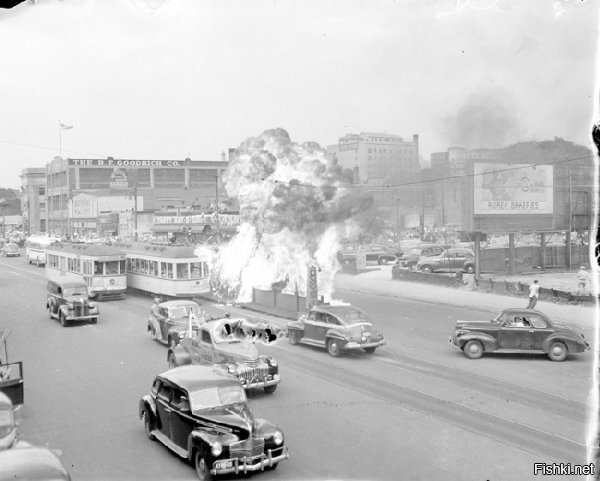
(516, 331)
(450, 260)
(10, 250)
(168, 320)
(31, 463)
(337, 328)
(231, 342)
(380, 253)
(410, 259)
(68, 302)
(201, 413)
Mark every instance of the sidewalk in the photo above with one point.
(379, 281)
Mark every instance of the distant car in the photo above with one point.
(168, 320)
(517, 330)
(336, 328)
(450, 260)
(201, 413)
(31, 463)
(409, 259)
(68, 302)
(229, 342)
(10, 250)
(380, 253)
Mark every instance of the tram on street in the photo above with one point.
(35, 249)
(167, 270)
(101, 267)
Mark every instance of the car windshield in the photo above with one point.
(217, 396)
(75, 292)
(499, 318)
(182, 311)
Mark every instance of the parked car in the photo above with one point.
(10, 249)
(380, 253)
(517, 330)
(68, 302)
(410, 259)
(201, 413)
(450, 260)
(168, 320)
(31, 463)
(337, 328)
(229, 342)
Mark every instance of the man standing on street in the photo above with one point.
(534, 293)
(583, 278)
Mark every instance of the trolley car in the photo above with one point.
(35, 249)
(171, 271)
(101, 267)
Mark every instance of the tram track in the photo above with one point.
(531, 440)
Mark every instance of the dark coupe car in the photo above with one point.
(410, 259)
(516, 331)
(201, 413)
(337, 328)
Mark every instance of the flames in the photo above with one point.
(295, 204)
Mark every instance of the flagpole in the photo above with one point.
(59, 140)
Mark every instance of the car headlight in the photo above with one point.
(272, 361)
(216, 449)
(278, 438)
(92, 305)
(231, 368)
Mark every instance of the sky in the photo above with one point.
(170, 79)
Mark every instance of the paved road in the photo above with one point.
(414, 410)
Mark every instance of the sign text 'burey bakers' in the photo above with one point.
(512, 188)
(124, 163)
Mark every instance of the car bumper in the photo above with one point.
(453, 344)
(261, 383)
(81, 318)
(351, 346)
(247, 465)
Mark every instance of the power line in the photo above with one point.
(385, 187)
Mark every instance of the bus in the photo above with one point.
(101, 267)
(35, 249)
(167, 270)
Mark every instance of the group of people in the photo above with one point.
(583, 280)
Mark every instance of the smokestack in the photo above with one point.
(416, 142)
(223, 159)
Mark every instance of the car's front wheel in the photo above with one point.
(370, 350)
(470, 269)
(333, 347)
(473, 349)
(426, 269)
(61, 318)
(558, 351)
(294, 337)
(147, 426)
(202, 467)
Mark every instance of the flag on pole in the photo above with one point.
(65, 126)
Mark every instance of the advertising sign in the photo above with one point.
(512, 188)
(118, 179)
(84, 206)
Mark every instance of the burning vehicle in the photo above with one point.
(231, 343)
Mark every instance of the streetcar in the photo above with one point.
(35, 249)
(101, 267)
(171, 271)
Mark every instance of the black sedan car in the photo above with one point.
(517, 331)
(336, 328)
(201, 414)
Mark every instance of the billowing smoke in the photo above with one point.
(485, 120)
(295, 204)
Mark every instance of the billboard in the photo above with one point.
(512, 188)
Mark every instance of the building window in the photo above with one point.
(42, 190)
(94, 178)
(203, 176)
(169, 177)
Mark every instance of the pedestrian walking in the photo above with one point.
(583, 279)
(534, 293)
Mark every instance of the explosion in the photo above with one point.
(295, 203)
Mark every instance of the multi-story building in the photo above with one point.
(378, 158)
(33, 200)
(116, 196)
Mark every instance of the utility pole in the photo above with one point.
(217, 190)
(443, 209)
(568, 240)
